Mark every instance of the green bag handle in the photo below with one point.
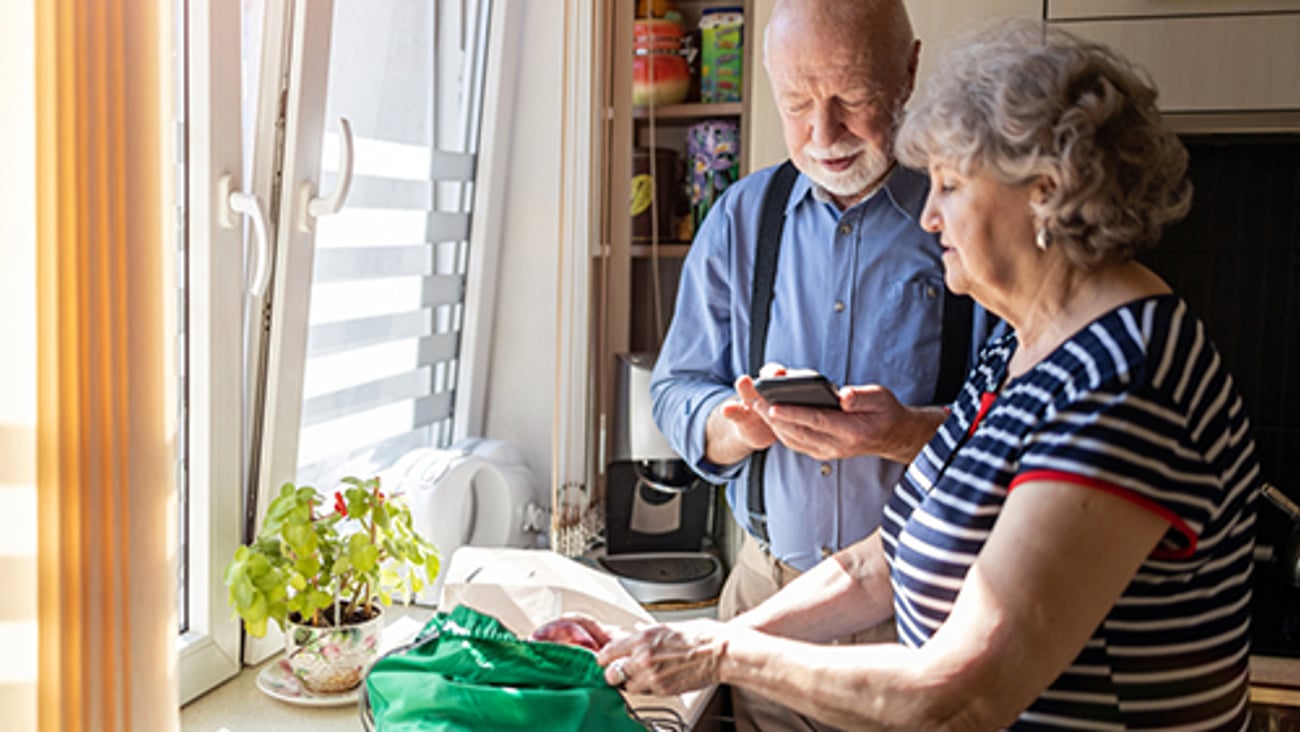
(466, 671)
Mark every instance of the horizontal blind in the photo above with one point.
(389, 274)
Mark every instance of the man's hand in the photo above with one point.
(871, 421)
(738, 427)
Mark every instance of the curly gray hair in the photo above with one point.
(1018, 102)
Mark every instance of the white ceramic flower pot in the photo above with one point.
(330, 660)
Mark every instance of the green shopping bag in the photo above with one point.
(466, 671)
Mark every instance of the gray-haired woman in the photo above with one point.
(1072, 548)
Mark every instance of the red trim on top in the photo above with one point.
(986, 401)
(1121, 492)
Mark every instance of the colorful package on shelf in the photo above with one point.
(721, 45)
(713, 146)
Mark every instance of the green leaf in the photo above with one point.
(301, 539)
(268, 580)
(256, 628)
(307, 566)
(319, 599)
(242, 592)
(365, 557)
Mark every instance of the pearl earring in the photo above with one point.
(1042, 238)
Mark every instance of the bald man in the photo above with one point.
(858, 296)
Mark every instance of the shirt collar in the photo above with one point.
(906, 189)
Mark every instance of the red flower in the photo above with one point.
(339, 504)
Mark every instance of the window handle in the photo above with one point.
(231, 205)
(310, 205)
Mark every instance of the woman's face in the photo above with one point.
(986, 228)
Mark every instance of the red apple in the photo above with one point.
(564, 630)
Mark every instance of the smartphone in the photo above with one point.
(804, 390)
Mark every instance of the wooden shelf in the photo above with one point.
(666, 249)
(690, 111)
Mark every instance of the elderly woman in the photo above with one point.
(1072, 548)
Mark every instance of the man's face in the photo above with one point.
(838, 113)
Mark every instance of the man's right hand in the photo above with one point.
(738, 426)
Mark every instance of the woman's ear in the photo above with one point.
(1044, 187)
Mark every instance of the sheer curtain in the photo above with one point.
(105, 430)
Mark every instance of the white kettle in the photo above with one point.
(478, 492)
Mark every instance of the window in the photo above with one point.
(388, 277)
(210, 344)
(352, 127)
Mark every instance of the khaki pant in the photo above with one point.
(756, 577)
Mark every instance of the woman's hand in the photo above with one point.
(663, 660)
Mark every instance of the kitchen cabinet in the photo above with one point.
(1065, 9)
(635, 279)
(1209, 63)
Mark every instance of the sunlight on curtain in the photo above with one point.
(104, 430)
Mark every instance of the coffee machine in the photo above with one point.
(657, 511)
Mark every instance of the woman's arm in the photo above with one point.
(1054, 564)
(847, 593)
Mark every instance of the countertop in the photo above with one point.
(239, 706)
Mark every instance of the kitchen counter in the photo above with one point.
(239, 706)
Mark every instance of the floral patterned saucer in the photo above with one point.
(277, 681)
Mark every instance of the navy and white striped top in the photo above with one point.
(1136, 404)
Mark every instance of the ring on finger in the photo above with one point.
(619, 671)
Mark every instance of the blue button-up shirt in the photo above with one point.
(858, 297)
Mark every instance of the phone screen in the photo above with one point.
(812, 390)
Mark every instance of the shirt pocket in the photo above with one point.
(910, 336)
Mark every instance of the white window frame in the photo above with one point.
(306, 66)
(220, 398)
(209, 650)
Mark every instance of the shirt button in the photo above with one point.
(846, 229)
(826, 468)
(839, 306)
(932, 292)
(826, 552)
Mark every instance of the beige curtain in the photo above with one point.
(106, 506)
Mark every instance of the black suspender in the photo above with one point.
(760, 313)
(954, 346)
(953, 350)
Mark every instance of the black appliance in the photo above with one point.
(657, 511)
(655, 506)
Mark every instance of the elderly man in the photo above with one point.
(821, 264)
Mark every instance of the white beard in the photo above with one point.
(869, 166)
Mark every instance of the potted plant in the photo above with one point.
(323, 570)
